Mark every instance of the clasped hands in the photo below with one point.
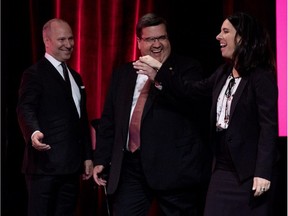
(147, 65)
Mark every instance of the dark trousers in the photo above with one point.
(52, 195)
(134, 196)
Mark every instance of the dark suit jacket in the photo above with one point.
(172, 146)
(253, 128)
(45, 104)
(253, 125)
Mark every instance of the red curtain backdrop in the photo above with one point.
(104, 32)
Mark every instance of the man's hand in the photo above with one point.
(155, 64)
(148, 66)
(36, 139)
(97, 175)
(88, 169)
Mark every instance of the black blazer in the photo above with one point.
(253, 126)
(45, 104)
(172, 147)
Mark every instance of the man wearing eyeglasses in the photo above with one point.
(171, 165)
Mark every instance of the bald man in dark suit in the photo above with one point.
(52, 116)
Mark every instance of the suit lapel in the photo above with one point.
(168, 65)
(130, 76)
(81, 88)
(218, 87)
(221, 76)
(59, 79)
(237, 94)
(55, 74)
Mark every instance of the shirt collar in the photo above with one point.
(52, 60)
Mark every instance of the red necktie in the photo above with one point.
(134, 128)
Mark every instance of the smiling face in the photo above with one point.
(59, 40)
(226, 37)
(154, 42)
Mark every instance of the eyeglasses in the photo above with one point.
(161, 38)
